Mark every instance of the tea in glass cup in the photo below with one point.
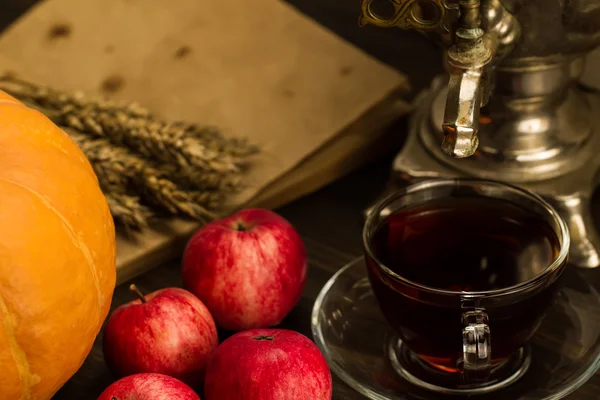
(464, 270)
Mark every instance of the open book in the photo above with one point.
(316, 105)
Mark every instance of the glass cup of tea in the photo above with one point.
(464, 271)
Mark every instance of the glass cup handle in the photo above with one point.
(477, 350)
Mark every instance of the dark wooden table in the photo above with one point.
(330, 223)
(329, 220)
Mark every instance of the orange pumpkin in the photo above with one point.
(57, 254)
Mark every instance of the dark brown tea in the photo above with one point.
(462, 244)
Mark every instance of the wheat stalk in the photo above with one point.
(120, 170)
(188, 148)
(145, 166)
(127, 211)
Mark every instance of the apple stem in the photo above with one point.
(135, 290)
(241, 227)
(263, 338)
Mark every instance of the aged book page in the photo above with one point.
(255, 68)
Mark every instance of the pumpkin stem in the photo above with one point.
(135, 290)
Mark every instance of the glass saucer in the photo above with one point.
(360, 346)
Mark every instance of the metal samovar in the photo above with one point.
(510, 107)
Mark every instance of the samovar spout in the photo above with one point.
(478, 33)
(468, 90)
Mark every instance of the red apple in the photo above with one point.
(168, 331)
(268, 364)
(148, 387)
(249, 269)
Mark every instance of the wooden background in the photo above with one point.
(329, 220)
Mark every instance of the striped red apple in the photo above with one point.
(249, 269)
(268, 364)
(168, 331)
(148, 386)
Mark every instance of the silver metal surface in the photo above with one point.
(510, 108)
(470, 60)
(569, 192)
